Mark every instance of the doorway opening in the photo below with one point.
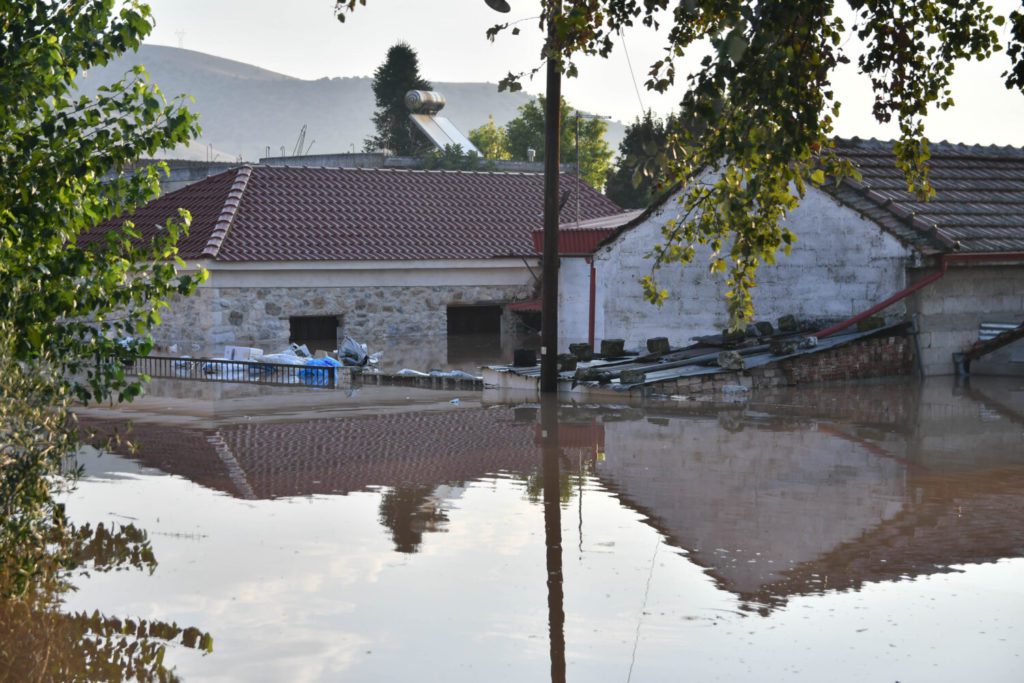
(474, 334)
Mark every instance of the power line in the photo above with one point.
(629, 62)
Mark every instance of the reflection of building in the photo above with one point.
(777, 507)
(805, 491)
(411, 454)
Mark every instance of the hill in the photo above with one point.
(244, 110)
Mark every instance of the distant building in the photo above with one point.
(858, 244)
(384, 255)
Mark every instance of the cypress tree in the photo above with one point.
(396, 134)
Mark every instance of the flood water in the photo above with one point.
(859, 533)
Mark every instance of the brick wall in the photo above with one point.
(869, 358)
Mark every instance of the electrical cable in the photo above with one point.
(629, 62)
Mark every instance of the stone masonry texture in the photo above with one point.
(252, 316)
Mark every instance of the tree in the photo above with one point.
(490, 140)
(399, 74)
(758, 112)
(72, 317)
(626, 183)
(62, 163)
(526, 131)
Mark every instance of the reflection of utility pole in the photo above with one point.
(181, 37)
(579, 481)
(551, 453)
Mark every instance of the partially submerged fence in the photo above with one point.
(247, 372)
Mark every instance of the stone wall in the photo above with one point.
(259, 316)
(840, 265)
(951, 309)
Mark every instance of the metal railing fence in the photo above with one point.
(247, 372)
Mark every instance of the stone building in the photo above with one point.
(388, 256)
(957, 261)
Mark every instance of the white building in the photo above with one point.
(857, 245)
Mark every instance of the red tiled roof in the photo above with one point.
(205, 200)
(978, 204)
(583, 237)
(324, 214)
(529, 306)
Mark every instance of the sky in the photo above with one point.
(302, 38)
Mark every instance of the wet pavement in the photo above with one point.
(869, 532)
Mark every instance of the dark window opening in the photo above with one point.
(318, 332)
(474, 320)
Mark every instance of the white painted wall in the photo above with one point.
(573, 300)
(841, 264)
(431, 273)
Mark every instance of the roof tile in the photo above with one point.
(978, 205)
(267, 213)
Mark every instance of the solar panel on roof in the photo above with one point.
(442, 132)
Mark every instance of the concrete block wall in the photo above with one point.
(573, 301)
(840, 265)
(951, 309)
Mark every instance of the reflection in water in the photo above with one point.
(797, 498)
(39, 642)
(551, 454)
(408, 511)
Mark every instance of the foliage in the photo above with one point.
(39, 547)
(637, 179)
(61, 161)
(452, 158)
(399, 74)
(409, 511)
(526, 131)
(39, 641)
(1015, 75)
(491, 140)
(36, 435)
(758, 112)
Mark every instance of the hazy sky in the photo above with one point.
(302, 38)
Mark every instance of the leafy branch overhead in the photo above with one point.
(756, 116)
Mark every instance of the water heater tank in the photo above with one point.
(424, 101)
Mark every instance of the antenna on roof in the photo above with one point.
(301, 142)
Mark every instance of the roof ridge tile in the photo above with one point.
(227, 215)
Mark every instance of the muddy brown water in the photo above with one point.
(866, 532)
